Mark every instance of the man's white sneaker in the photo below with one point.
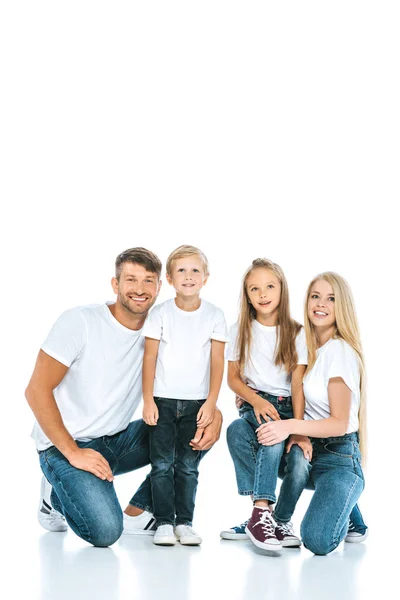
(187, 536)
(143, 524)
(164, 536)
(48, 517)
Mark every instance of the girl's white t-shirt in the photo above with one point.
(336, 358)
(184, 353)
(260, 372)
(103, 385)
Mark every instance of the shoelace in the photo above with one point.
(188, 530)
(242, 525)
(55, 516)
(352, 527)
(285, 528)
(267, 523)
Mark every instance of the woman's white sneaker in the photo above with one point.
(164, 536)
(187, 536)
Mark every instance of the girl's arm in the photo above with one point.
(205, 415)
(336, 425)
(150, 410)
(262, 408)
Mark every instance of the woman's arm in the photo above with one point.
(339, 403)
(262, 408)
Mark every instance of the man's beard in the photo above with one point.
(138, 311)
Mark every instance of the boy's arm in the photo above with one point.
(150, 410)
(262, 408)
(47, 375)
(217, 363)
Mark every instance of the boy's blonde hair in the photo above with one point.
(184, 251)
(287, 328)
(346, 328)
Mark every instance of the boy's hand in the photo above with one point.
(303, 442)
(204, 439)
(266, 410)
(150, 413)
(205, 415)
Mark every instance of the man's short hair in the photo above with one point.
(139, 256)
(184, 251)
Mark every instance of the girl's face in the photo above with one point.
(263, 290)
(321, 304)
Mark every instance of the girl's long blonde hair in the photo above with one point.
(346, 328)
(287, 328)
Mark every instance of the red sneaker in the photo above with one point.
(261, 529)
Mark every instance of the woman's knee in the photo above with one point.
(316, 540)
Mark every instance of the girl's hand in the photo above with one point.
(303, 442)
(238, 401)
(205, 415)
(266, 410)
(150, 413)
(273, 432)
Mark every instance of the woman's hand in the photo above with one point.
(273, 432)
(303, 442)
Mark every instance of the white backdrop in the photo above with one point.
(247, 129)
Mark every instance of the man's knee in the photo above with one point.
(105, 531)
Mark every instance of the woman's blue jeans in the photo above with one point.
(89, 504)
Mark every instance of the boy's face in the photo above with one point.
(187, 275)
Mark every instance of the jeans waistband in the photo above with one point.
(352, 437)
(268, 396)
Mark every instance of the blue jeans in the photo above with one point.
(257, 466)
(89, 504)
(174, 472)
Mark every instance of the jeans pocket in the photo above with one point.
(343, 448)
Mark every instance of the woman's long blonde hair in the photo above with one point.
(287, 328)
(346, 328)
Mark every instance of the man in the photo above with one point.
(84, 390)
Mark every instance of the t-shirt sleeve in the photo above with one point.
(232, 353)
(301, 348)
(153, 325)
(220, 330)
(344, 364)
(67, 337)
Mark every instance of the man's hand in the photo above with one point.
(150, 413)
(92, 461)
(303, 442)
(204, 438)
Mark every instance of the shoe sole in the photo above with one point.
(139, 532)
(165, 542)
(273, 547)
(233, 536)
(356, 539)
(187, 542)
(291, 544)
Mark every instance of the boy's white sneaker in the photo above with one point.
(143, 524)
(164, 536)
(187, 536)
(48, 517)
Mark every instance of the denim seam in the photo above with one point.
(245, 492)
(126, 453)
(265, 497)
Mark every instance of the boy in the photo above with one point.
(182, 373)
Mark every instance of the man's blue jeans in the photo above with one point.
(174, 472)
(89, 504)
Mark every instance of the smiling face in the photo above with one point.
(187, 275)
(321, 305)
(137, 289)
(263, 290)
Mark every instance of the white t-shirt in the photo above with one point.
(260, 372)
(103, 385)
(336, 358)
(183, 361)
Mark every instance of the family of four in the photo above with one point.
(300, 394)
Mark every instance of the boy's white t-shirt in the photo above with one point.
(336, 358)
(260, 372)
(183, 361)
(103, 384)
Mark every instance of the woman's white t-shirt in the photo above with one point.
(184, 353)
(336, 358)
(260, 372)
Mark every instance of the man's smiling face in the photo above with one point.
(137, 289)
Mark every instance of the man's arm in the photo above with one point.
(47, 375)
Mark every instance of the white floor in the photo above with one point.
(57, 566)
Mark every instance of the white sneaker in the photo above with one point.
(143, 524)
(187, 536)
(164, 536)
(354, 537)
(48, 517)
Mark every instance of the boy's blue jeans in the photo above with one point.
(174, 472)
(89, 504)
(257, 467)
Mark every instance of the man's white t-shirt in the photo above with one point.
(103, 384)
(184, 353)
(260, 371)
(336, 358)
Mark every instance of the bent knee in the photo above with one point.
(237, 431)
(317, 543)
(106, 532)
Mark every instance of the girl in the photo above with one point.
(267, 357)
(334, 412)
